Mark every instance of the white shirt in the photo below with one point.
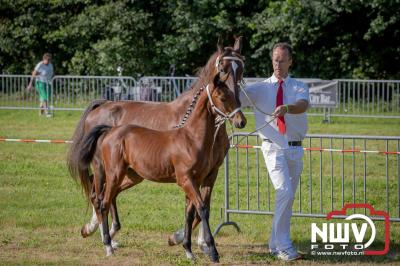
(46, 72)
(263, 94)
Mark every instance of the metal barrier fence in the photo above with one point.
(75, 92)
(359, 98)
(369, 97)
(338, 169)
(14, 93)
(169, 88)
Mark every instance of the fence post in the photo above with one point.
(226, 203)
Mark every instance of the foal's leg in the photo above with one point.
(89, 228)
(115, 225)
(206, 190)
(131, 179)
(192, 192)
(187, 241)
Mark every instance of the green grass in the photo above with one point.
(42, 209)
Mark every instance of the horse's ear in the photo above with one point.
(220, 46)
(238, 45)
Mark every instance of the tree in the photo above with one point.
(331, 38)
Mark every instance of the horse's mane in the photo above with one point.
(204, 73)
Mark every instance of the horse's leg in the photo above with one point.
(189, 214)
(89, 228)
(192, 192)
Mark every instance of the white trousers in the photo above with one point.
(284, 168)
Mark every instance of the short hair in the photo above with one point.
(283, 45)
(47, 56)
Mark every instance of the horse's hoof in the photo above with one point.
(204, 248)
(109, 251)
(114, 244)
(84, 232)
(214, 257)
(215, 260)
(176, 238)
(190, 255)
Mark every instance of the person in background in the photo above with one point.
(43, 73)
(283, 101)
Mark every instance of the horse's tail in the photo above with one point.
(73, 163)
(87, 150)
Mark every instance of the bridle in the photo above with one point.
(221, 116)
(217, 110)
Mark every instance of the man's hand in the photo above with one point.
(298, 107)
(280, 111)
(35, 73)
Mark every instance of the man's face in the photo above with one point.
(46, 61)
(281, 62)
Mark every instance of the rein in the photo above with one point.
(242, 88)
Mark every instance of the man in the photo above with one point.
(285, 99)
(43, 73)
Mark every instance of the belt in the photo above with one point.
(291, 143)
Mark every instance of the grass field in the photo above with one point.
(42, 209)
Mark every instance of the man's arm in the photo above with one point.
(35, 71)
(246, 96)
(297, 108)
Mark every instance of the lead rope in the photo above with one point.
(242, 85)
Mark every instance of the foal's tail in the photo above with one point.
(87, 150)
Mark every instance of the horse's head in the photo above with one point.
(224, 103)
(229, 63)
(229, 68)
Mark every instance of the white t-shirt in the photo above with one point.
(263, 94)
(46, 72)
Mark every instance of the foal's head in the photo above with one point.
(224, 102)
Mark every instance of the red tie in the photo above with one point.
(279, 102)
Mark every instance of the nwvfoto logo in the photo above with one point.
(338, 235)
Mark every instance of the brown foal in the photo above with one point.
(181, 156)
(158, 116)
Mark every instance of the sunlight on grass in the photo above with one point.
(42, 209)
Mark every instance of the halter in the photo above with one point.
(217, 110)
(234, 58)
(221, 117)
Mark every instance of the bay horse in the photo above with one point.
(180, 156)
(159, 116)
